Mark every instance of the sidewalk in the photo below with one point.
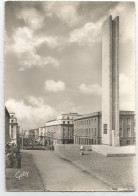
(118, 172)
(25, 179)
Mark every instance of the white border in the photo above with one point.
(2, 164)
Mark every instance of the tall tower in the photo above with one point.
(110, 81)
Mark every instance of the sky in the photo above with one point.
(53, 58)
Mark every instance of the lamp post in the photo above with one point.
(22, 139)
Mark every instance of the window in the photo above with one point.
(121, 127)
(11, 126)
(67, 117)
(68, 122)
(121, 131)
(12, 121)
(120, 142)
(105, 128)
(128, 127)
(63, 132)
(63, 122)
(128, 132)
(128, 142)
(128, 121)
(95, 131)
(69, 133)
(12, 133)
(87, 132)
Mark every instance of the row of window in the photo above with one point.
(67, 117)
(64, 122)
(87, 132)
(128, 121)
(12, 121)
(69, 134)
(85, 122)
(128, 131)
(84, 141)
(128, 142)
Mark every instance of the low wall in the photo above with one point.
(71, 147)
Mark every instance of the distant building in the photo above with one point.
(88, 128)
(61, 130)
(33, 134)
(127, 132)
(14, 129)
(42, 134)
(7, 126)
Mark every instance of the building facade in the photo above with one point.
(61, 130)
(110, 81)
(7, 126)
(42, 134)
(88, 128)
(13, 130)
(127, 132)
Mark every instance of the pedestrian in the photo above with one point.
(81, 150)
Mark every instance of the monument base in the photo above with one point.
(115, 138)
(114, 151)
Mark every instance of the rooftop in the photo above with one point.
(51, 120)
(99, 113)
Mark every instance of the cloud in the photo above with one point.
(31, 17)
(36, 112)
(87, 34)
(35, 101)
(65, 11)
(127, 92)
(127, 25)
(25, 45)
(51, 42)
(51, 85)
(34, 60)
(24, 40)
(93, 89)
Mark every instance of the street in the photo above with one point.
(60, 175)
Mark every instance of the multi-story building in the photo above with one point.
(7, 126)
(33, 134)
(127, 132)
(61, 130)
(13, 130)
(88, 128)
(42, 134)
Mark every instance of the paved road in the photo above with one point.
(61, 175)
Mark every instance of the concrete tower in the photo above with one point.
(110, 82)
